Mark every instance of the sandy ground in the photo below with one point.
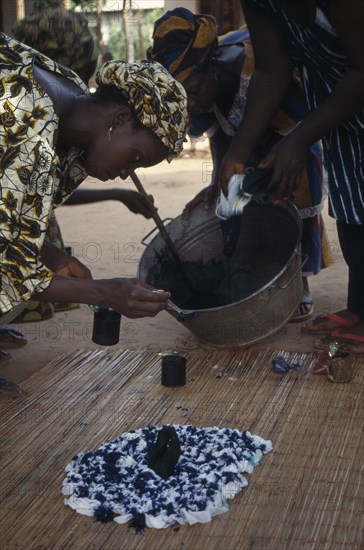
(107, 238)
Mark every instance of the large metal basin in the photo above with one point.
(269, 240)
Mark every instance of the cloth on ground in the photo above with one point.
(115, 483)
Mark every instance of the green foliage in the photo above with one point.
(43, 4)
(142, 24)
(86, 5)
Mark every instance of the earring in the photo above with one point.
(110, 132)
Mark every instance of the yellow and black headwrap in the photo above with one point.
(183, 42)
(157, 99)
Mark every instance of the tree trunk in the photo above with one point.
(128, 29)
(99, 36)
(20, 9)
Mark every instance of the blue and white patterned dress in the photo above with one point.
(322, 63)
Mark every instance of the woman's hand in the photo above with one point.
(138, 203)
(130, 297)
(206, 196)
(231, 164)
(288, 159)
(133, 298)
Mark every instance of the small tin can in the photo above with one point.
(106, 327)
(173, 369)
(339, 366)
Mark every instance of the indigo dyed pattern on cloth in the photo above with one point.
(115, 483)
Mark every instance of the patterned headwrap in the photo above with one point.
(157, 99)
(62, 35)
(183, 42)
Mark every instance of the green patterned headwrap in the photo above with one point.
(157, 99)
(62, 35)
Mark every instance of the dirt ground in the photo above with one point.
(107, 238)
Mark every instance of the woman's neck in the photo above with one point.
(62, 91)
(71, 105)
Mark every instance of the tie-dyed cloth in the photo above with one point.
(114, 483)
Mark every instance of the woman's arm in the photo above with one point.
(130, 297)
(61, 263)
(268, 86)
(136, 202)
(288, 157)
(73, 282)
(347, 98)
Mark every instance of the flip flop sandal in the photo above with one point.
(349, 339)
(322, 319)
(298, 317)
(4, 357)
(321, 345)
(12, 338)
(10, 388)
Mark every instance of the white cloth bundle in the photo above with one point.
(237, 199)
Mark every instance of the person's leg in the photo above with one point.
(305, 307)
(351, 238)
(351, 340)
(315, 258)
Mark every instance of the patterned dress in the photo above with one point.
(322, 63)
(34, 179)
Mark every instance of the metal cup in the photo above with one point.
(340, 368)
(173, 370)
(106, 327)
